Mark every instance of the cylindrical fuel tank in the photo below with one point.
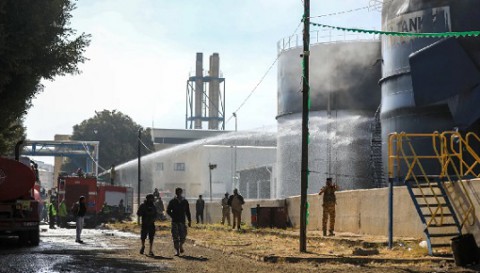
(16, 179)
(344, 95)
(399, 113)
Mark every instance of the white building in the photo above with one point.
(187, 165)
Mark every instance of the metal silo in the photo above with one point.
(428, 83)
(345, 96)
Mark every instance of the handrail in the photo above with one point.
(450, 149)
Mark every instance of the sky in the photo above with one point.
(143, 51)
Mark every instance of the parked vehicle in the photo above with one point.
(19, 209)
(102, 200)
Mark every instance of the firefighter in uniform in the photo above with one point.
(52, 213)
(329, 202)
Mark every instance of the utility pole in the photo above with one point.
(234, 184)
(139, 167)
(305, 133)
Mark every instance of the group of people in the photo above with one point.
(233, 202)
(57, 215)
(179, 211)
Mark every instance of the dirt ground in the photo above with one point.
(214, 248)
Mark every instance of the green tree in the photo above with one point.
(118, 135)
(36, 43)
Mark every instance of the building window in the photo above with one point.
(159, 167)
(180, 167)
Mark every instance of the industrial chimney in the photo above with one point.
(201, 107)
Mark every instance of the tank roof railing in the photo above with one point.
(323, 36)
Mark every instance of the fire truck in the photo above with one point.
(19, 205)
(98, 195)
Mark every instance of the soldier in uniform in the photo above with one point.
(225, 209)
(329, 202)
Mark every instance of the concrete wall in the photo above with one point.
(364, 211)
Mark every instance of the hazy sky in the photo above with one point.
(142, 52)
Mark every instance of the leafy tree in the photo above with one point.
(118, 136)
(36, 43)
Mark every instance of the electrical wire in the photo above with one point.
(91, 157)
(145, 146)
(375, 4)
(261, 80)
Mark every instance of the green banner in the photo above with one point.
(473, 33)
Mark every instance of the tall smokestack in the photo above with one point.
(213, 92)
(198, 90)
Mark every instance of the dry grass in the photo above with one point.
(278, 242)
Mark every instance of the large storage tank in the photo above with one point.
(425, 109)
(345, 96)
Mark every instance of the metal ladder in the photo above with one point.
(435, 211)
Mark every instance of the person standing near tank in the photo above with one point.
(148, 212)
(199, 207)
(178, 208)
(225, 209)
(236, 202)
(329, 202)
(79, 209)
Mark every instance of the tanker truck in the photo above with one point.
(18, 208)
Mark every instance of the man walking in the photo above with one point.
(235, 202)
(178, 209)
(79, 210)
(199, 207)
(329, 202)
(148, 212)
(225, 209)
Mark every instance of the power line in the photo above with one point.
(375, 5)
(261, 80)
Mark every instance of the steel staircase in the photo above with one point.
(441, 200)
(435, 210)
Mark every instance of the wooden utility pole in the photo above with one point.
(305, 133)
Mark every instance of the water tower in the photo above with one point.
(202, 106)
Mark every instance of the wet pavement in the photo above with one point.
(58, 252)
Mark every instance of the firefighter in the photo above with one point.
(112, 174)
(62, 214)
(52, 213)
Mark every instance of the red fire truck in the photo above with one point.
(98, 195)
(19, 213)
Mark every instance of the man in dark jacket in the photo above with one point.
(79, 210)
(148, 212)
(236, 202)
(199, 207)
(178, 209)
